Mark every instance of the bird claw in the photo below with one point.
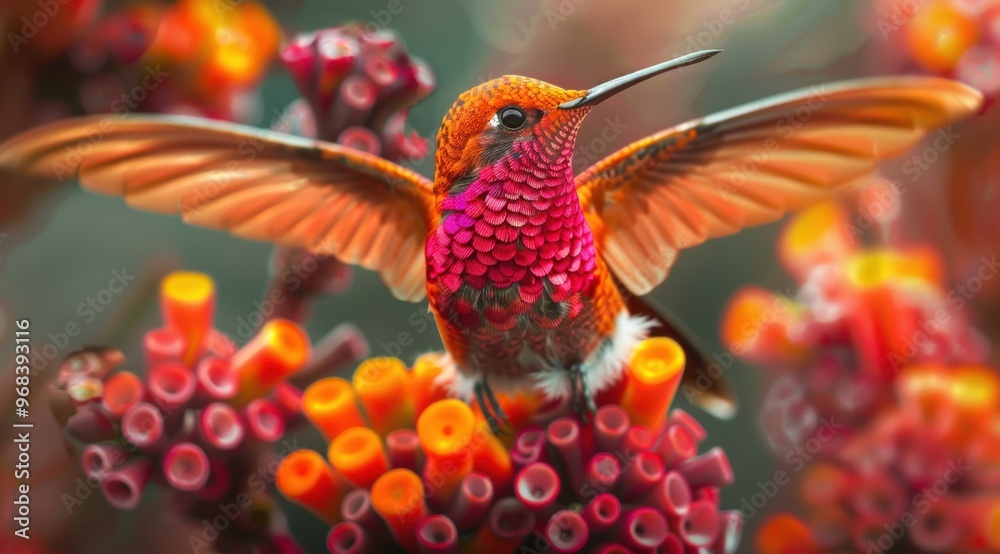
(494, 415)
(582, 400)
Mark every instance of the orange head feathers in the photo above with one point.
(473, 131)
(485, 121)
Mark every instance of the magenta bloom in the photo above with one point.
(202, 422)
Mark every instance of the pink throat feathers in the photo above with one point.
(513, 238)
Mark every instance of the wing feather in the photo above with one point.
(750, 165)
(254, 183)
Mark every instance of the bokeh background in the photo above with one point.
(64, 248)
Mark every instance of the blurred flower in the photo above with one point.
(959, 39)
(409, 469)
(216, 52)
(77, 61)
(357, 87)
(861, 315)
(44, 34)
(954, 38)
(973, 200)
(201, 422)
(923, 477)
(875, 379)
(297, 277)
(196, 56)
(57, 65)
(72, 61)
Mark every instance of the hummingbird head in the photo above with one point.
(511, 117)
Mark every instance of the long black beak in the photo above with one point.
(614, 86)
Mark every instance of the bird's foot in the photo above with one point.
(582, 400)
(490, 407)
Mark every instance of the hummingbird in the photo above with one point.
(534, 274)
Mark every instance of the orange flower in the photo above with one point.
(428, 469)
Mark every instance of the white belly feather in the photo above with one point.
(601, 369)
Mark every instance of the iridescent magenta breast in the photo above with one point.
(513, 249)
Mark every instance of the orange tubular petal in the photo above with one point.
(280, 349)
(358, 454)
(976, 390)
(423, 377)
(983, 517)
(229, 65)
(398, 497)
(923, 263)
(331, 406)
(785, 534)
(491, 457)
(824, 484)
(975, 394)
(654, 373)
(187, 302)
(755, 325)
(121, 392)
(521, 407)
(243, 42)
(814, 237)
(305, 478)
(916, 268)
(891, 298)
(180, 36)
(887, 320)
(382, 386)
(990, 525)
(924, 393)
(939, 33)
(255, 21)
(446, 429)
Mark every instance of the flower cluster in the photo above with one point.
(861, 315)
(923, 477)
(68, 61)
(31, 28)
(876, 379)
(409, 469)
(201, 422)
(957, 39)
(216, 53)
(196, 56)
(954, 38)
(357, 87)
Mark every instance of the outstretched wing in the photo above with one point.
(749, 165)
(255, 183)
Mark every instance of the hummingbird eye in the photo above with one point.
(512, 118)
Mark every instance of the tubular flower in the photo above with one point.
(77, 61)
(876, 383)
(201, 421)
(923, 477)
(408, 469)
(212, 55)
(954, 38)
(48, 36)
(197, 57)
(834, 350)
(357, 87)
